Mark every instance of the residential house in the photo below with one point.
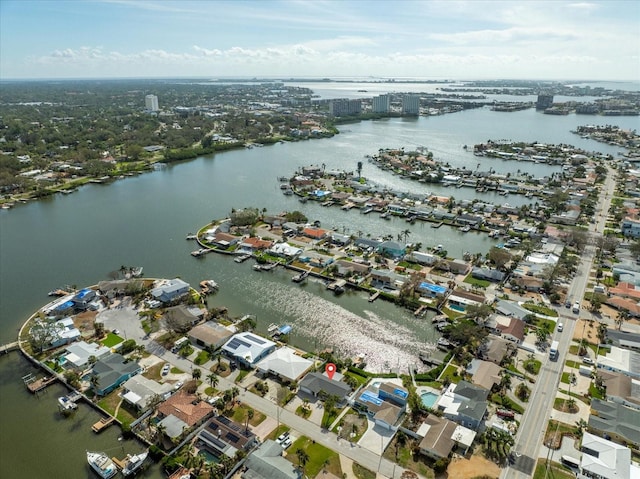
(339, 239)
(319, 385)
(623, 304)
(510, 308)
(422, 258)
(384, 404)
(284, 363)
(459, 300)
(223, 240)
(171, 290)
(495, 349)
(626, 290)
(112, 371)
(455, 266)
(429, 290)
(484, 373)
(630, 227)
(471, 220)
(604, 459)
(181, 318)
(248, 348)
(366, 244)
(512, 329)
(63, 332)
(351, 268)
(140, 392)
(285, 250)
(624, 339)
(253, 244)
(391, 249)
(315, 233)
(266, 462)
(111, 289)
(386, 279)
(620, 360)
(83, 298)
(222, 436)
(181, 412)
(78, 354)
(464, 403)
(614, 421)
(209, 334)
(621, 389)
(488, 274)
(440, 436)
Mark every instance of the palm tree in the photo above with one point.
(250, 414)
(406, 234)
(623, 315)
(161, 429)
(303, 458)
(213, 380)
(196, 373)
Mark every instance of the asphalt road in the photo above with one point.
(534, 421)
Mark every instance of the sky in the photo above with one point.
(458, 40)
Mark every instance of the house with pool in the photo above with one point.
(384, 403)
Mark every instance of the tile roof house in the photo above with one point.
(182, 410)
(112, 371)
(267, 462)
(319, 385)
(252, 244)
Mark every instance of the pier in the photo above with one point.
(35, 385)
(102, 424)
(374, 296)
(6, 348)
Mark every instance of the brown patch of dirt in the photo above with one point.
(84, 321)
(462, 468)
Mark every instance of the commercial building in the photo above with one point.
(380, 104)
(151, 103)
(343, 107)
(411, 105)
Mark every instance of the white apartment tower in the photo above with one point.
(151, 102)
(380, 104)
(411, 105)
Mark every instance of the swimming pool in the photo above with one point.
(428, 399)
(455, 307)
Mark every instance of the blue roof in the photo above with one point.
(65, 305)
(368, 396)
(434, 288)
(83, 293)
(401, 393)
(284, 329)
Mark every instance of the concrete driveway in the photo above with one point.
(376, 439)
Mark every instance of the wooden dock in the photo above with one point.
(35, 385)
(6, 348)
(374, 296)
(102, 424)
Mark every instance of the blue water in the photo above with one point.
(455, 307)
(428, 399)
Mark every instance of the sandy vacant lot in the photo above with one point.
(474, 467)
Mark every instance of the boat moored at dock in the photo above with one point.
(133, 463)
(101, 464)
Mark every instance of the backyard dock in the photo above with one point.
(102, 424)
(35, 385)
(5, 348)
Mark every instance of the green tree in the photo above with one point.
(250, 415)
(213, 380)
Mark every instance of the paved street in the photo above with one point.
(538, 412)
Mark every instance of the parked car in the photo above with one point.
(178, 385)
(588, 360)
(286, 443)
(165, 369)
(282, 437)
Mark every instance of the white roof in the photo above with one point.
(247, 346)
(79, 353)
(605, 458)
(463, 436)
(285, 363)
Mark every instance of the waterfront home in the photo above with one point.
(488, 274)
(61, 332)
(170, 290)
(285, 364)
(315, 233)
(340, 240)
(112, 371)
(180, 318)
(248, 348)
(285, 250)
(419, 257)
(605, 459)
(319, 385)
(350, 268)
(140, 392)
(440, 436)
(209, 334)
(464, 403)
(181, 412)
(455, 266)
(616, 422)
(253, 244)
(386, 279)
(222, 436)
(429, 290)
(366, 244)
(621, 389)
(495, 349)
(114, 288)
(459, 300)
(471, 220)
(274, 221)
(77, 354)
(83, 298)
(391, 249)
(223, 241)
(267, 462)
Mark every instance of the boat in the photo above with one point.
(136, 272)
(192, 236)
(385, 215)
(199, 253)
(273, 327)
(66, 404)
(133, 463)
(208, 286)
(299, 278)
(101, 464)
(465, 228)
(443, 344)
(257, 267)
(241, 258)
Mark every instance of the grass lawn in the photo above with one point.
(277, 431)
(481, 283)
(303, 412)
(362, 472)
(361, 379)
(506, 402)
(556, 471)
(327, 419)
(201, 358)
(595, 392)
(563, 405)
(111, 340)
(534, 366)
(320, 457)
(154, 372)
(240, 415)
(448, 373)
(176, 370)
(562, 428)
(572, 364)
(406, 459)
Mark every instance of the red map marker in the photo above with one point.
(330, 369)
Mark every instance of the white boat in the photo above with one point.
(241, 258)
(133, 463)
(101, 464)
(66, 404)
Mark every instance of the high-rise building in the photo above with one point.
(544, 102)
(411, 105)
(345, 107)
(151, 102)
(380, 104)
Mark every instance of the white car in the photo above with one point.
(286, 443)
(282, 437)
(178, 385)
(165, 369)
(588, 360)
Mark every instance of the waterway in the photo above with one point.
(78, 239)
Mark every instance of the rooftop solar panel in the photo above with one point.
(254, 339)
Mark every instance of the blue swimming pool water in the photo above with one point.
(428, 399)
(455, 307)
